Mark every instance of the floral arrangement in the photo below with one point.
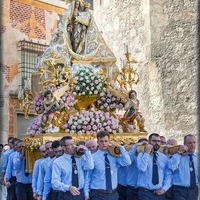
(90, 122)
(88, 82)
(35, 126)
(68, 101)
(108, 102)
(38, 104)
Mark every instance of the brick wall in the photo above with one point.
(28, 19)
(6, 72)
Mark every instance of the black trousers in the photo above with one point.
(53, 195)
(121, 189)
(145, 194)
(68, 196)
(11, 190)
(169, 194)
(24, 191)
(100, 195)
(132, 193)
(185, 193)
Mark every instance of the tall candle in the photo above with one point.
(127, 48)
(124, 63)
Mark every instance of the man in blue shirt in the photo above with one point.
(23, 186)
(48, 193)
(42, 169)
(3, 189)
(154, 177)
(5, 157)
(122, 184)
(68, 171)
(132, 171)
(103, 178)
(170, 142)
(185, 171)
(10, 174)
(36, 169)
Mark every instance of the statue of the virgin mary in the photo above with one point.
(78, 39)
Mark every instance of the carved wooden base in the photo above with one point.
(32, 143)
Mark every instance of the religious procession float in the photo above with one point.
(79, 90)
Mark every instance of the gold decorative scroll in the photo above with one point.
(58, 93)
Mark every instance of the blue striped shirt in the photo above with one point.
(180, 166)
(145, 167)
(10, 170)
(47, 179)
(35, 174)
(42, 170)
(5, 157)
(95, 179)
(20, 167)
(132, 170)
(62, 171)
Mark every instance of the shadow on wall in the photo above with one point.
(198, 68)
(1, 81)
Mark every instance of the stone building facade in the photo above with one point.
(162, 36)
(33, 21)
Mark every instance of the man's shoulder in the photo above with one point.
(8, 152)
(162, 155)
(44, 161)
(96, 154)
(38, 161)
(58, 160)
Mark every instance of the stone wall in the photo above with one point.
(125, 22)
(174, 52)
(162, 35)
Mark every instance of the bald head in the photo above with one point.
(171, 142)
(91, 145)
(43, 151)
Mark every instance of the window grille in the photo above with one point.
(30, 52)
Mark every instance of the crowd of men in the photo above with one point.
(88, 171)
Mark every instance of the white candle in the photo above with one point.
(110, 71)
(124, 63)
(26, 84)
(20, 93)
(127, 48)
(45, 76)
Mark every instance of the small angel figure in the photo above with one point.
(51, 107)
(132, 116)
